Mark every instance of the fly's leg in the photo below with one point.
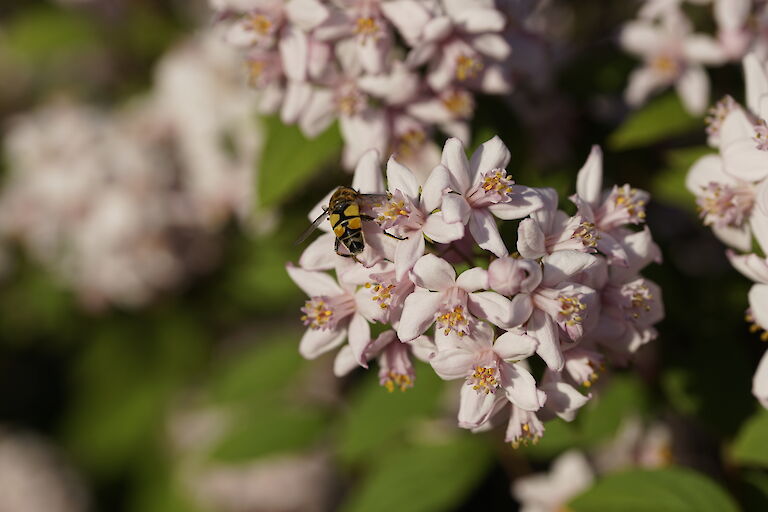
(337, 245)
(395, 236)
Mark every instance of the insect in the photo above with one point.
(343, 211)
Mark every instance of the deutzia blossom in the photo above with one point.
(569, 475)
(672, 54)
(575, 302)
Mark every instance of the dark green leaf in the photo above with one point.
(376, 416)
(270, 430)
(423, 478)
(661, 118)
(289, 158)
(674, 489)
(751, 445)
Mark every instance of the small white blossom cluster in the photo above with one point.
(732, 193)
(122, 204)
(572, 292)
(389, 70)
(673, 53)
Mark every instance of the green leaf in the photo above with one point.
(42, 35)
(674, 489)
(375, 416)
(669, 185)
(260, 372)
(751, 445)
(661, 118)
(289, 158)
(270, 430)
(423, 478)
(601, 418)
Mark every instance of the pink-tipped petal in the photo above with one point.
(359, 338)
(455, 208)
(543, 328)
(520, 388)
(401, 178)
(368, 178)
(589, 181)
(493, 307)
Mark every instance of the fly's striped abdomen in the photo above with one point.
(347, 226)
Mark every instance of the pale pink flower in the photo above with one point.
(672, 54)
(547, 301)
(635, 445)
(487, 366)
(582, 365)
(607, 212)
(569, 475)
(335, 312)
(462, 44)
(630, 304)
(452, 304)
(484, 190)
(725, 202)
(549, 230)
(408, 213)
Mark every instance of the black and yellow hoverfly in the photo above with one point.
(346, 219)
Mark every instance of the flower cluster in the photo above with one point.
(437, 272)
(122, 204)
(731, 188)
(389, 71)
(663, 37)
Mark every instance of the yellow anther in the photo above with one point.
(366, 27)
(259, 24)
(467, 67)
(453, 320)
(397, 381)
(497, 181)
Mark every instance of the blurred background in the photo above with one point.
(149, 332)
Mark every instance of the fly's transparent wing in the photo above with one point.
(368, 201)
(313, 227)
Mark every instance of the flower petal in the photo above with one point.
(368, 178)
(455, 160)
(475, 408)
(316, 342)
(760, 381)
(693, 88)
(589, 181)
(520, 387)
(543, 328)
(492, 154)
(493, 307)
(401, 178)
(418, 314)
(437, 183)
(440, 231)
(455, 208)
(514, 346)
(313, 283)
(484, 230)
(408, 252)
(359, 338)
(433, 273)
(562, 265)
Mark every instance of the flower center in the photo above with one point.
(317, 313)
(484, 379)
(665, 65)
(409, 142)
(524, 428)
(570, 309)
(350, 102)
(454, 320)
(587, 233)
(724, 205)
(399, 381)
(717, 115)
(761, 135)
(459, 103)
(260, 24)
(497, 181)
(381, 293)
(323, 312)
(366, 27)
(467, 67)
